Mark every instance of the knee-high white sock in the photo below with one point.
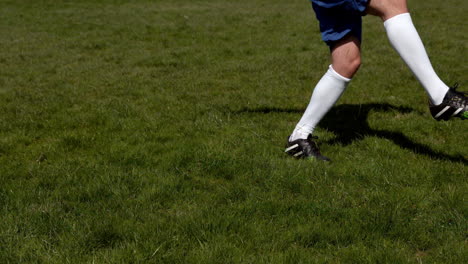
(326, 93)
(406, 41)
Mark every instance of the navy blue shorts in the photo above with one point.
(339, 18)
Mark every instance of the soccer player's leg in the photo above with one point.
(444, 101)
(340, 26)
(346, 56)
(345, 63)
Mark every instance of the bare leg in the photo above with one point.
(386, 9)
(346, 56)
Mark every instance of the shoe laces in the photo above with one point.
(461, 96)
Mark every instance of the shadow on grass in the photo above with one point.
(349, 123)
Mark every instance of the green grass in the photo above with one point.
(153, 132)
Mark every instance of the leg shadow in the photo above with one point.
(349, 123)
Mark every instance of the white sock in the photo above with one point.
(406, 41)
(326, 93)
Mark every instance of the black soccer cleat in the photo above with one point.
(455, 104)
(304, 148)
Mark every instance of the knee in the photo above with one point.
(354, 64)
(346, 56)
(347, 66)
(386, 9)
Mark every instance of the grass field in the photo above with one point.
(153, 132)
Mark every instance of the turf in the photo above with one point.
(153, 132)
